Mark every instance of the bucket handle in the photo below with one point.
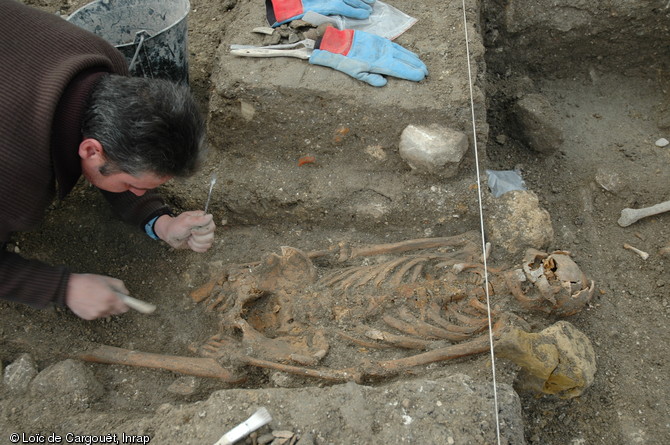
(140, 36)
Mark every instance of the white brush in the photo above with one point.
(138, 305)
(209, 195)
(260, 418)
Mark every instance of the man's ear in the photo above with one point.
(91, 149)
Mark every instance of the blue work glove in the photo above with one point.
(282, 11)
(366, 57)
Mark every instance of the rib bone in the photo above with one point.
(629, 216)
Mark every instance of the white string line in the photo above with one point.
(481, 225)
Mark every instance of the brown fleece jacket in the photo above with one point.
(48, 68)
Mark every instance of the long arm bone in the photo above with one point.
(344, 252)
(629, 216)
(379, 369)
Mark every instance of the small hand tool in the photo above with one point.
(260, 418)
(209, 195)
(138, 305)
(302, 50)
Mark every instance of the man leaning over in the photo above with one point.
(68, 109)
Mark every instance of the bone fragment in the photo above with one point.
(487, 251)
(629, 216)
(264, 30)
(458, 268)
(399, 341)
(643, 255)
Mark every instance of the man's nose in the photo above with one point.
(137, 192)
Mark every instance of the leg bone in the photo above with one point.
(201, 367)
(629, 216)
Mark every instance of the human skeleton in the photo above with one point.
(362, 313)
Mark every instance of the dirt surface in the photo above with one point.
(608, 161)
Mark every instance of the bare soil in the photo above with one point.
(608, 162)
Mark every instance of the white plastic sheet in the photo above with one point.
(385, 21)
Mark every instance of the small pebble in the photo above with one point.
(663, 142)
(265, 439)
(283, 434)
(306, 439)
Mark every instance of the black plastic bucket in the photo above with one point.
(151, 34)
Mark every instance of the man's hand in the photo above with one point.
(189, 230)
(94, 296)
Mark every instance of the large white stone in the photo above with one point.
(433, 149)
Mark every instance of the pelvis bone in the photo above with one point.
(360, 313)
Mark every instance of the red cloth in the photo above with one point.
(285, 9)
(337, 41)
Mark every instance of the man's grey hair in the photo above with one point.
(145, 126)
